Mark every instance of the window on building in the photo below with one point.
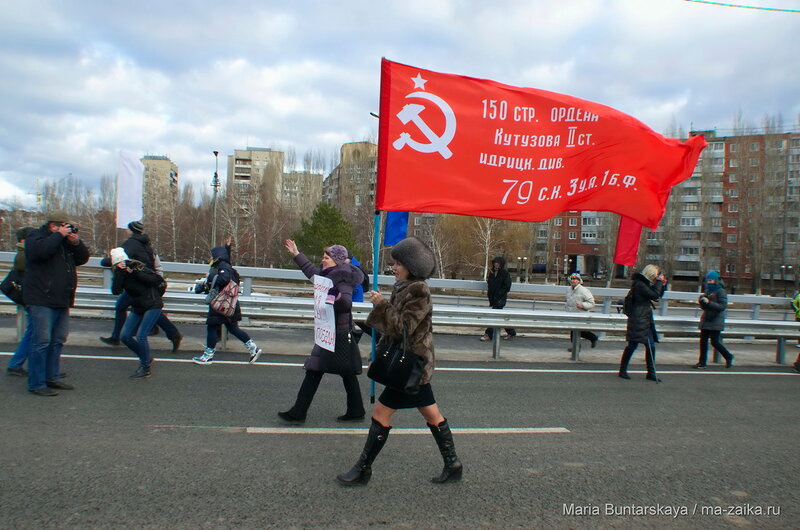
(573, 221)
(542, 232)
(717, 146)
(556, 248)
(734, 148)
(690, 207)
(733, 163)
(557, 221)
(730, 268)
(754, 147)
(731, 238)
(573, 235)
(690, 221)
(590, 221)
(747, 268)
(733, 223)
(754, 162)
(556, 234)
(732, 177)
(689, 251)
(753, 177)
(733, 207)
(588, 235)
(795, 142)
(734, 192)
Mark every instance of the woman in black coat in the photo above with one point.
(143, 286)
(335, 266)
(646, 288)
(219, 276)
(713, 302)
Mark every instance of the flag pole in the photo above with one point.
(376, 245)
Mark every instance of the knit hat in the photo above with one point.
(712, 275)
(57, 216)
(22, 233)
(575, 276)
(415, 256)
(338, 253)
(118, 254)
(136, 227)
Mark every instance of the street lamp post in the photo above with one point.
(784, 270)
(524, 269)
(519, 269)
(215, 185)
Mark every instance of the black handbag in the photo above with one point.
(397, 367)
(11, 286)
(345, 359)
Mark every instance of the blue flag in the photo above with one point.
(396, 228)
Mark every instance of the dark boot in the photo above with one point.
(360, 473)
(298, 412)
(651, 366)
(627, 353)
(452, 465)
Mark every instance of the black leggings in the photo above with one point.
(213, 333)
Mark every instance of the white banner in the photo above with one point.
(324, 319)
(130, 177)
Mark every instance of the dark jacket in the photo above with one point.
(410, 303)
(141, 284)
(220, 273)
(137, 247)
(344, 277)
(713, 317)
(640, 322)
(51, 263)
(498, 284)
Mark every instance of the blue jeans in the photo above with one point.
(24, 346)
(49, 330)
(124, 301)
(139, 344)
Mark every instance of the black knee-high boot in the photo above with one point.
(452, 465)
(361, 472)
(623, 362)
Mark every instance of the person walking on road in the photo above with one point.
(796, 306)
(345, 277)
(15, 364)
(498, 284)
(52, 255)
(646, 287)
(713, 302)
(220, 274)
(143, 287)
(409, 308)
(579, 298)
(138, 248)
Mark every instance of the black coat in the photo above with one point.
(498, 284)
(640, 321)
(141, 284)
(344, 277)
(713, 317)
(220, 273)
(51, 263)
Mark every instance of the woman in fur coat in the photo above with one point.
(409, 306)
(336, 267)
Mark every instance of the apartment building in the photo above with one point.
(159, 187)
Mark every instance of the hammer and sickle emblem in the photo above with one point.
(411, 113)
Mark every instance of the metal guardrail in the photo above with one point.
(266, 307)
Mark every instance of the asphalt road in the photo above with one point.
(713, 449)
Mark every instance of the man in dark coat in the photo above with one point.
(52, 255)
(647, 287)
(498, 283)
(138, 248)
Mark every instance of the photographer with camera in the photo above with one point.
(52, 255)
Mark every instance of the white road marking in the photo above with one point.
(361, 431)
(722, 371)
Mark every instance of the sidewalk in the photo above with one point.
(450, 345)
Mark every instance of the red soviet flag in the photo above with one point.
(454, 144)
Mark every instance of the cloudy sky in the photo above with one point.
(82, 80)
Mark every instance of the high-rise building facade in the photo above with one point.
(159, 187)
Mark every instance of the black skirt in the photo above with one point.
(394, 399)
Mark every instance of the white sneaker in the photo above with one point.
(206, 358)
(255, 351)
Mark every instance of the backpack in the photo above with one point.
(627, 304)
(162, 286)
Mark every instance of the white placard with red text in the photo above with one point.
(324, 319)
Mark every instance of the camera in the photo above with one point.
(72, 229)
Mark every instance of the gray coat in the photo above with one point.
(713, 317)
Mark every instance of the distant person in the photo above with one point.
(358, 290)
(408, 307)
(345, 277)
(143, 286)
(713, 302)
(52, 256)
(796, 307)
(646, 287)
(498, 284)
(15, 364)
(220, 274)
(138, 248)
(579, 298)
